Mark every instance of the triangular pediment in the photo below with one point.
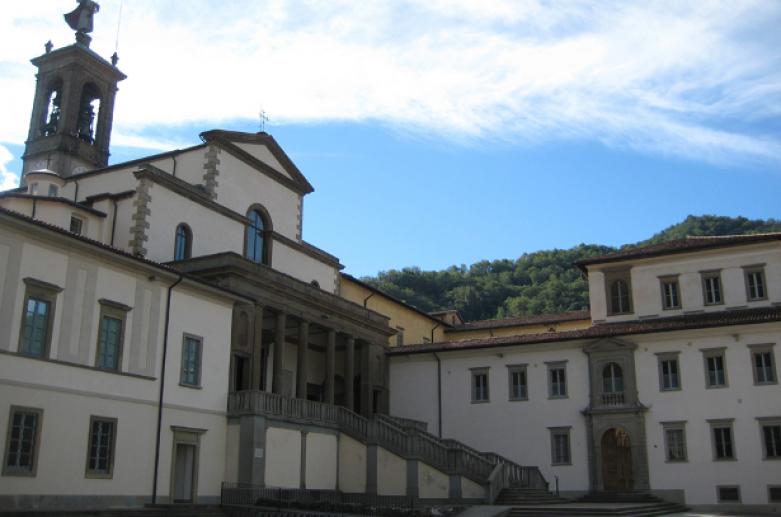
(608, 345)
(262, 152)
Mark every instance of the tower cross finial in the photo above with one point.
(263, 119)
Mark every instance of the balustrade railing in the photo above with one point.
(613, 399)
(391, 433)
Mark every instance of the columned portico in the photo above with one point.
(277, 384)
(349, 373)
(330, 366)
(303, 352)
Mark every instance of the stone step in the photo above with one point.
(603, 510)
(187, 510)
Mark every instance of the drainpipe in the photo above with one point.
(439, 395)
(76, 191)
(33, 214)
(366, 300)
(173, 173)
(162, 387)
(435, 327)
(113, 220)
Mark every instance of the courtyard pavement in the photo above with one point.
(493, 511)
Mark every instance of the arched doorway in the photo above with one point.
(616, 460)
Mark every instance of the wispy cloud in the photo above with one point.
(694, 79)
(8, 179)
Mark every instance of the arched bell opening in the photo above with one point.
(89, 113)
(52, 112)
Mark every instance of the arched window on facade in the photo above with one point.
(619, 297)
(183, 242)
(89, 113)
(256, 242)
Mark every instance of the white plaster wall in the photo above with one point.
(117, 180)
(212, 232)
(695, 404)
(303, 267)
(189, 165)
(209, 319)
(413, 388)
(241, 186)
(471, 490)
(517, 430)
(391, 473)
(283, 458)
(57, 214)
(62, 454)
(352, 465)
(261, 152)
(321, 458)
(232, 452)
(646, 290)
(432, 483)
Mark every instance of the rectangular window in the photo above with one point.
(191, 361)
(715, 369)
(557, 380)
(771, 437)
(669, 372)
(755, 283)
(670, 293)
(723, 445)
(774, 494)
(480, 385)
(560, 449)
(763, 364)
(21, 450)
(37, 317)
(100, 448)
(517, 379)
(110, 334)
(711, 287)
(53, 190)
(729, 494)
(399, 336)
(674, 441)
(77, 225)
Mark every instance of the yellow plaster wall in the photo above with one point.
(517, 330)
(417, 328)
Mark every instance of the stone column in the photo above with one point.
(330, 366)
(279, 353)
(349, 373)
(257, 350)
(303, 348)
(367, 380)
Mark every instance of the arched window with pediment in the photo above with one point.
(257, 242)
(183, 242)
(612, 378)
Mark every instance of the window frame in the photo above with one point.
(475, 373)
(513, 369)
(265, 234)
(187, 234)
(708, 353)
(94, 473)
(758, 269)
(725, 423)
(662, 358)
(670, 280)
(710, 275)
(557, 366)
(45, 292)
(13, 471)
(399, 336)
(675, 426)
(761, 349)
(81, 224)
(199, 381)
(770, 498)
(733, 501)
(611, 277)
(772, 421)
(117, 311)
(560, 431)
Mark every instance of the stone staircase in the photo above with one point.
(527, 496)
(634, 504)
(158, 510)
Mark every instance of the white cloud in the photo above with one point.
(700, 80)
(8, 179)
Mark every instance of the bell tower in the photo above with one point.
(70, 127)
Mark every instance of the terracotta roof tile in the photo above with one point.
(685, 322)
(535, 319)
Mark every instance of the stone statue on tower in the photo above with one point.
(80, 20)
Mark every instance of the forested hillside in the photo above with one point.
(535, 283)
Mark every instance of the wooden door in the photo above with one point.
(616, 460)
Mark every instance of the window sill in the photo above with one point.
(19, 473)
(191, 386)
(768, 383)
(558, 397)
(97, 475)
(524, 399)
(677, 461)
(725, 460)
(568, 464)
(717, 387)
(664, 390)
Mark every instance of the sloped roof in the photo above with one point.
(536, 319)
(684, 322)
(685, 245)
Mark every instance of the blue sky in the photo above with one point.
(444, 132)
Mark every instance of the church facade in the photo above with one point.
(166, 331)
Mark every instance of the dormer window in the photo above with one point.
(619, 297)
(77, 225)
(53, 190)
